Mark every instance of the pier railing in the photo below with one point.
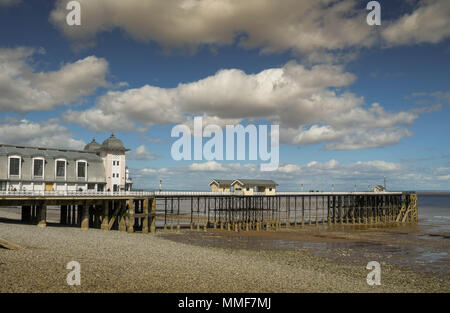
(68, 193)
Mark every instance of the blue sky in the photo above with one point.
(356, 103)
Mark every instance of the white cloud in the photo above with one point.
(307, 103)
(148, 105)
(23, 89)
(142, 154)
(37, 134)
(429, 23)
(207, 166)
(318, 30)
(301, 25)
(437, 97)
(289, 168)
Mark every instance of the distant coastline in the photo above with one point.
(434, 193)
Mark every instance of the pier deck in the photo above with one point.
(146, 211)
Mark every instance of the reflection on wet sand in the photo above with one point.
(407, 246)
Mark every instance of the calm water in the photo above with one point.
(434, 214)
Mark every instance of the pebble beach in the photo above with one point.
(167, 262)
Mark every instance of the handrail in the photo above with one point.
(87, 193)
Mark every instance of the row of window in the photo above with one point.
(115, 162)
(15, 168)
(247, 189)
(115, 175)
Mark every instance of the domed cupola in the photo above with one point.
(92, 146)
(113, 144)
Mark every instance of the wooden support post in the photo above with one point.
(153, 216)
(69, 215)
(131, 216)
(42, 215)
(145, 218)
(79, 215)
(317, 210)
(121, 216)
(329, 210)
(84, 215)
(303, 210)
(105, 220)
(347, 206)
(366, 210)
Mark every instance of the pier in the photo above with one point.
(142, 211)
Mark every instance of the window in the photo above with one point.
(114, 162)
(38, 168)
(14, 166)
(61, 168)
(81, 169)
(117, 163)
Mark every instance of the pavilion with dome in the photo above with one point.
(99, 167)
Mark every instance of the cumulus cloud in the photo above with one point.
(429, 23)
(23, 89)
(301, 25)
(148, 105)
(318, 30)
(207, 166)
(310, 105)
(142, 154)
(37, 134)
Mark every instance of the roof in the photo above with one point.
(256, 182)
(114, 144)
(51, 153)
(92, 146)
(222, 182)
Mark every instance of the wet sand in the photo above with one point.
(402, 246)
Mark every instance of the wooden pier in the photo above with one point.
(148, 211)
